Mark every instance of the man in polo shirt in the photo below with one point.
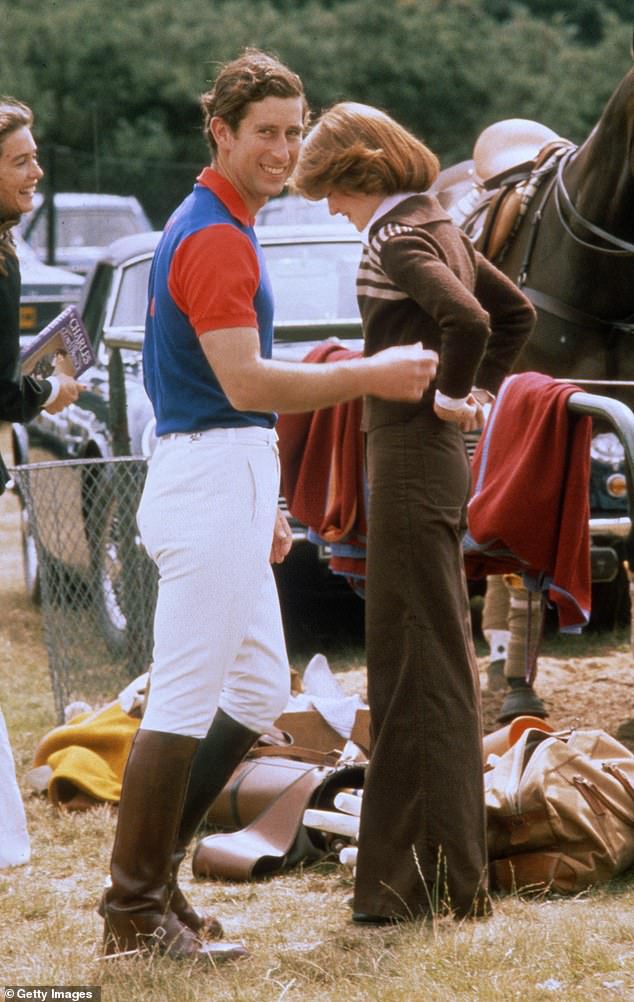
(208, 516)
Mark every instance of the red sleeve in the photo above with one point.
(214, 276)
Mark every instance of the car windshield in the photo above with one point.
(293, 209)
(312, 282)
(131, 296)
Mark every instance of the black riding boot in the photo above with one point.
(136, 905)
(521, 700)
(217, 755)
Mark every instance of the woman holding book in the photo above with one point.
(20, 398)
(422, 840)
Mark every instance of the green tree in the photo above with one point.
(115, 85)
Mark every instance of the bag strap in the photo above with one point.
(533, 637)
(598, 801)
(297, 753)
(618, 774)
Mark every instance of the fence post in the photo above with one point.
(118, 412)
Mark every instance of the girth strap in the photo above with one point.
(565, 312)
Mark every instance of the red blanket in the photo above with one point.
(323, 472)
(529, 511)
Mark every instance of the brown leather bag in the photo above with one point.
(265, 799)
(265, 773)
(560, 811)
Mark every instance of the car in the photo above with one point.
(295, 210)
(45, 291)
(312, 269)
(85, 223)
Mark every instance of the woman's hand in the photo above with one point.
(69, 390)
(469, 417)
(282, 538)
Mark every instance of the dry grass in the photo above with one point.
(297, 927)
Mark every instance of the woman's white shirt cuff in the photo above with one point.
(449, 403)
(55, 388)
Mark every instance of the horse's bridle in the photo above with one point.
(622, 248)
(619, 248)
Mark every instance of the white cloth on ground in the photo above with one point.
(15, 847)
(323, 693)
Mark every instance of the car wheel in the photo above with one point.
(611, 603)
(101, 525)
(30, 563)
(48, 579)
(123, 586)
(108, 596)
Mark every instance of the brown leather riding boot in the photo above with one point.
(217, 755)
(136, 905)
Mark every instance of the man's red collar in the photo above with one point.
(227, 194)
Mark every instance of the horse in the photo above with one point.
(571, 250)
(573, 256)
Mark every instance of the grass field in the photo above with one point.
(296, 926)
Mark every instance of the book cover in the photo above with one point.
(66, 336)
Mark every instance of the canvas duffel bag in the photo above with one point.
(560, 811)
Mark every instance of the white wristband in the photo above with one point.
(55, 388)
(449, 403)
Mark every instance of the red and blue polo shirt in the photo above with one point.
(208, 273)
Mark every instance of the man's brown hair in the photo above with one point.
(251, 77)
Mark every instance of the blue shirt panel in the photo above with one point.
(184, 391)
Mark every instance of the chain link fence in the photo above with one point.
(96, 583)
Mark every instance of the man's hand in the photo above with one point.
(403, 372)
(469, 417)
(282, 538)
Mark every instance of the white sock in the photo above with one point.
(498, 641)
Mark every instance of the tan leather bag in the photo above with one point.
(265, 800)
(265, 773)
(560, 811)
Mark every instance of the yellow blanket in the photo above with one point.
(87, 757)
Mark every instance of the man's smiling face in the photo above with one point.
(259, 157)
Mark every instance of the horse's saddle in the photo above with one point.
(490, 226)
(507, 146)
(489, 211)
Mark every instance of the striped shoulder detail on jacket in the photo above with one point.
(371, 278)
(387, 231)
